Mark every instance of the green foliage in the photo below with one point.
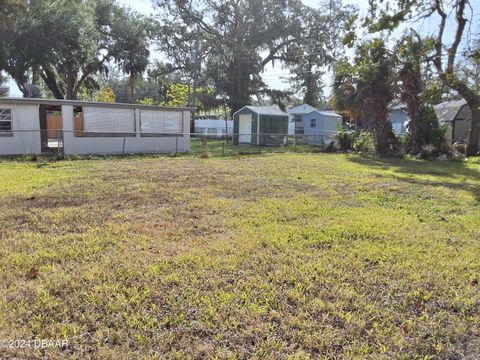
(67, 44)
(364, 142)
(106, 95)
(365, 88)
(177, 95)
(432, 131)
(346, 138)
(147, 101)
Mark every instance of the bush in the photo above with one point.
(346, 137)
(364, 141)
(433, 134)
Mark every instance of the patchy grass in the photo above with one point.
(272, 256)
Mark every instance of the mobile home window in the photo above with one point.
(313, 123)
(5, 120)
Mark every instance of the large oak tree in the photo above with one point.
(68, 43)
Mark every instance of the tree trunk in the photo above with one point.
(380, 126)
(131, 83)
(49, 78)
(415, 139)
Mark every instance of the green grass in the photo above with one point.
(272, 256)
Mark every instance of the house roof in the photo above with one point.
(325, 113)
(448, 110)
(398, 106)
(264, 110)
(301, 109)
(57, 102)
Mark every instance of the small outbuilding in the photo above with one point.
(321, 127)
(260, 125)
(457, 116)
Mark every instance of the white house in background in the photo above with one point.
(37, 126)
(296, 118)
(321, 127)
(214, 127)
(399, 118)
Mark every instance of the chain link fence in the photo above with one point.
(62, 143)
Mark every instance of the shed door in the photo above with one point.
(245, 129)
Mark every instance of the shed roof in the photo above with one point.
(448, 110)
(264, 110)
(301, 109)
(59, 102)
(326, 113)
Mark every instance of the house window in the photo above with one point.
(313, 123)
(6, 121)
(298, 118)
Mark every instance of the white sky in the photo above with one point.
(276, 77)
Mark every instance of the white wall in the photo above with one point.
(25, 117)
(114, 145)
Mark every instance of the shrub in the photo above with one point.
(346, 137)
(365, 142)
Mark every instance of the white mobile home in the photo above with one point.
(321, 127)
(37, 126)
(214, 127)
(296, 118)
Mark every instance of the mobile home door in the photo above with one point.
(245, 129)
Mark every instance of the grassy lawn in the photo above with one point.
(271, 256)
